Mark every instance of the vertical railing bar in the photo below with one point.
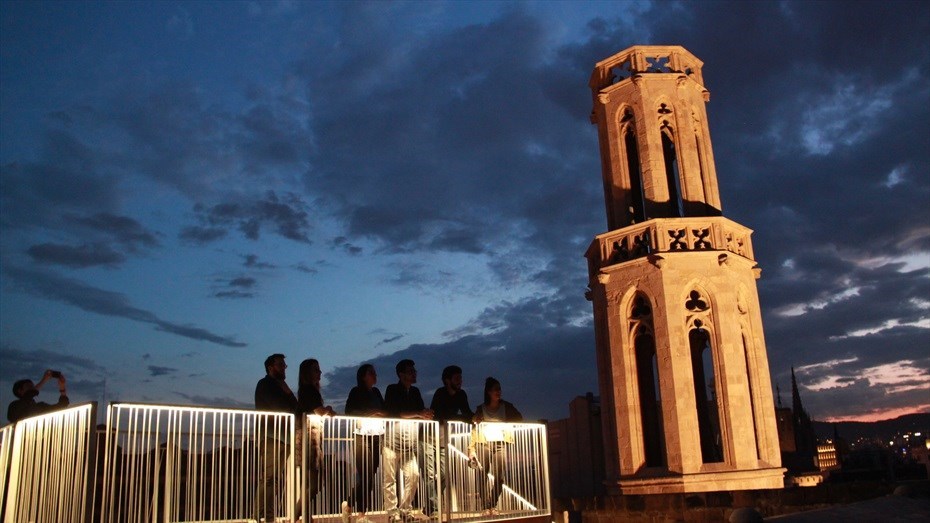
(164, 461)
(151, 463)
(56, 467)
(213, 450)
(131, 465)
(107, 503)
(143, 442)
(109, 460)
(166, 423)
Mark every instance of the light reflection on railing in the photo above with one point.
(46, 466)
(175, 463)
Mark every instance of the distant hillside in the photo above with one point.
(852, 430)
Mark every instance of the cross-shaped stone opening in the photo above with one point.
(621, 72)
(658, 64)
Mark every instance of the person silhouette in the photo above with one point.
(25, 404)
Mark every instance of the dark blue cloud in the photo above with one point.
(155, 370)
(107, 303)
(286, 215)
(75, 256)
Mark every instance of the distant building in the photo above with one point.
(784, 421)
(576, 451)
(827, 459)
(919, 451)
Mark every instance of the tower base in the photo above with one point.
(670, 483)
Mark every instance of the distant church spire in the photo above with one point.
(796, 406)
(778, 394)
(804, 436)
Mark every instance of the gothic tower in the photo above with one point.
(684, 378)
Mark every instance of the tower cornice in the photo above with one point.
(665, 235)
(640, 60)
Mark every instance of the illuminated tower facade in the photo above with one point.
(686, 395)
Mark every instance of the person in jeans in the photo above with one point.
(489, 444)
(402, 400)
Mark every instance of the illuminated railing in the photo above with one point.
(348, 460)
(353, 460)
(197, 464)
(45, 464)
(514, 451)
(176, 463)
(6, 451)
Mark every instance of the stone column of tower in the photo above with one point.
(684, 378)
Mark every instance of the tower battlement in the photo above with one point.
(646, 59)
(670, 235)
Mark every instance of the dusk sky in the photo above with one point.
(188, 187)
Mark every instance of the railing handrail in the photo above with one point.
(196, 408)
(55, 412)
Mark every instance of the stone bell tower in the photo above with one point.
(686, 395)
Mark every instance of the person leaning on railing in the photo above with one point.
(25, 391)
(488, 448)
(450, 403)
(310, 402)
(272, 395)
(402, 400)
(365, 401)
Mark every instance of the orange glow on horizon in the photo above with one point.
(882, 415)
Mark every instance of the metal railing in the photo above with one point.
(373, 467)
(176, 463)
(197, 464)
(6, 452)
(45, 464)
(413, 470)
(497, 470)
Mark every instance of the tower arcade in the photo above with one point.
(683, 373)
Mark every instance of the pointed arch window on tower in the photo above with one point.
(647, 375)
(672, 176)
(705, 393)
(637, 210)
(752, 395)
(702, 173)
